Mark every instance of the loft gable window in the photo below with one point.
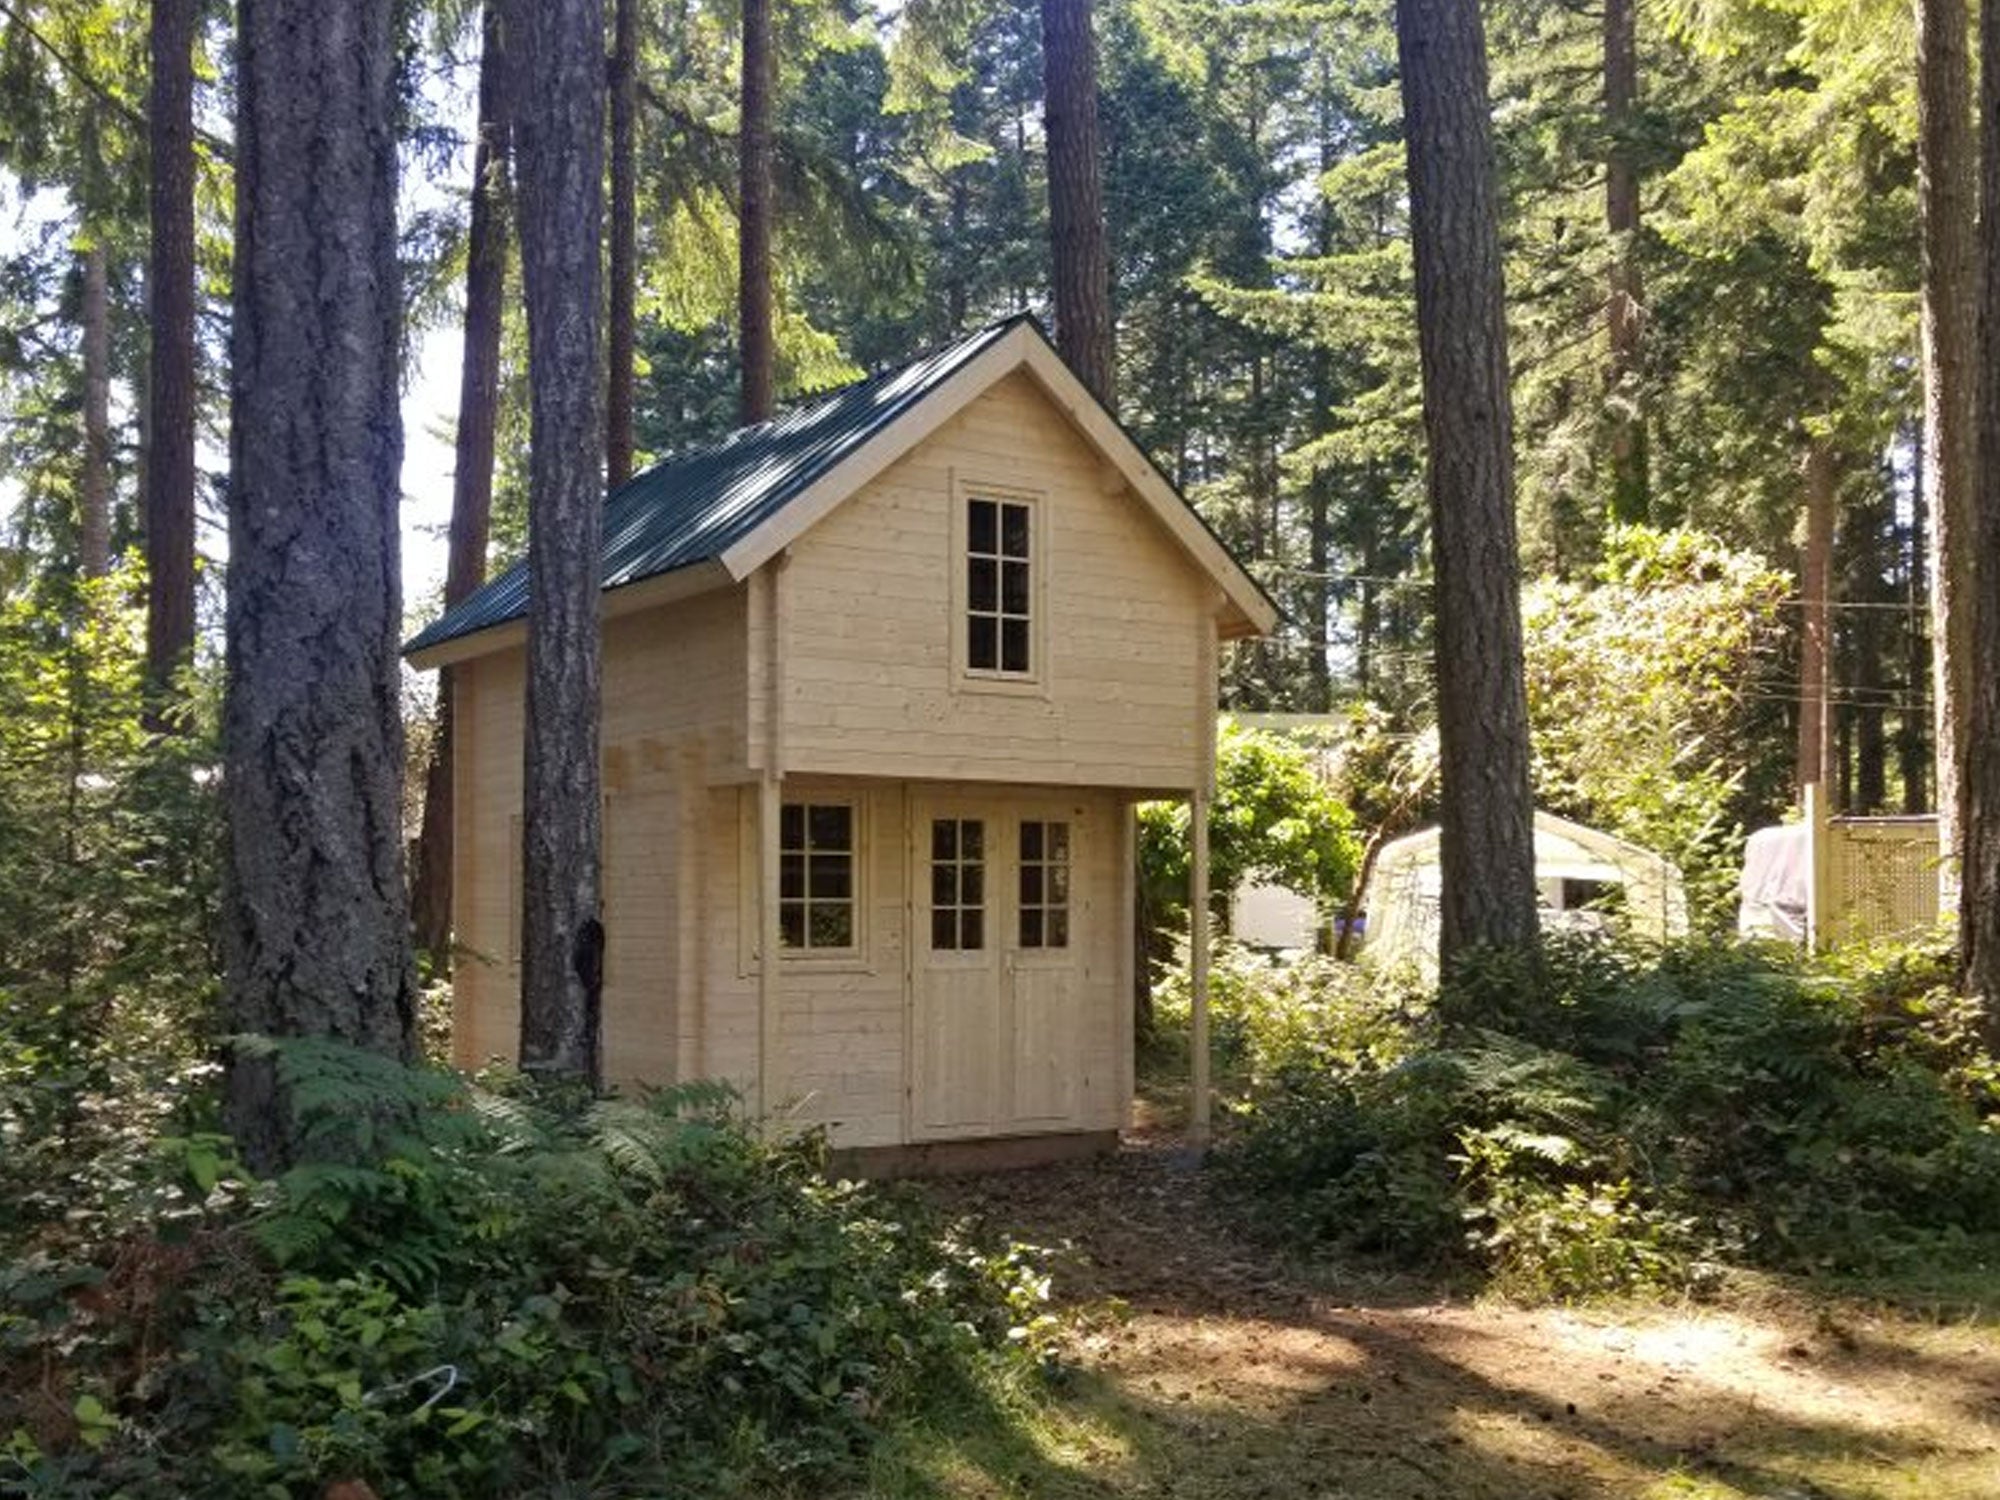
(999, 586)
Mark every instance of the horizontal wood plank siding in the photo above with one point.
(870, 683)
(674, 678)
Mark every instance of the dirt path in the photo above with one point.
(1208, 1372)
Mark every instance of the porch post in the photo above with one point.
(770, 791)
(1198, 1106)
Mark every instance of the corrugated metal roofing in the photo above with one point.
(693, 507)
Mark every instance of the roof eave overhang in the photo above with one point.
(621, 599)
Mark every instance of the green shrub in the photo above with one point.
(1605, 1118)
(476, 1290)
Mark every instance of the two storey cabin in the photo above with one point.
(883, 680)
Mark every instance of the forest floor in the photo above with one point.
(1195, 1366)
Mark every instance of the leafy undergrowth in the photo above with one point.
(476, 1291)
(1607, 1121)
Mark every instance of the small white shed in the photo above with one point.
(1402, 896)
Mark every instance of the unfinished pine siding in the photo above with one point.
(869, 680)
(818, 651)
(674, 697)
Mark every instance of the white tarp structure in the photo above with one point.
(1273, 916)
(1777, 881)
(1402, 896)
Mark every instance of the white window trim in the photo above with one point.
(966, 678)
(855, 959)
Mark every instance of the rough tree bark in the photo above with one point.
(557, 113)
(94, 492)
(472, 476)
(1815, 760)
(754, 312)
(1486, 809)
(1080, 268)
(1946, 186)
(316, 920)
(1624, 303)
(1979, 911)
(621, 309)
(170, 389)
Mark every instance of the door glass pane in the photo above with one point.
(1044, 884)
(958, 883)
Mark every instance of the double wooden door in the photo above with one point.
(998, 925)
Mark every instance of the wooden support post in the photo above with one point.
(1819, 869)
(768, 606)
(770, 794)
(1130, 956)
(1198, 1105)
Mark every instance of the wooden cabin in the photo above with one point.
(883, 680)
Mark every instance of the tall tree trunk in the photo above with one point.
(621, 303)
(94, 493)
(1815, 748)
(557, 114)
(1868, 631)
(1979, 911)
(1080, 268)
(316, 927)
(1912, 734)
(472, 477)
(1487, 813)
(170, 472)
(754, 299)
(1319, 493)
(1629, 500)
(1946, 186)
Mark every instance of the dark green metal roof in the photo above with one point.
(693, 507)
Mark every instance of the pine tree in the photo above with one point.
(754, 299)
(472, 474)
(170, 380)
(1979, 908)
(621, 307)
(316, 920)
(558, 123)
(1947, 188)
(1079, 271)
(1486, 845)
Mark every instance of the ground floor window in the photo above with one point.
(816, 876)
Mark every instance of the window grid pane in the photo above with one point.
(1044, 903)
(999, 591)
(958, 884)
(816, 876)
